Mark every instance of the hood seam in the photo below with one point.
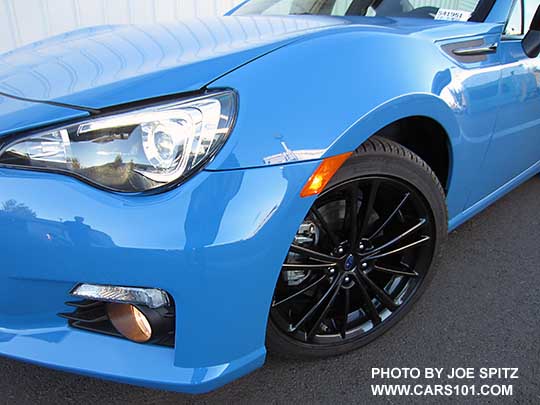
(92, 111)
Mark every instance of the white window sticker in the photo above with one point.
(452, 15)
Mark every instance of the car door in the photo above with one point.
(515, 144)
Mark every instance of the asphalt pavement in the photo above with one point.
(481, 310)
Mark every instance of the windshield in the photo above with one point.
(456, 10)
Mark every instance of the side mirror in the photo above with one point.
(531, 42)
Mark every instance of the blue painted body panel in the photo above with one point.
(20, 115)
(111, 65)
(354, 100)
(309, 88)
(214, 231)
(500, 11)
(514, 146)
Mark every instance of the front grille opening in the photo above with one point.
(90, 315)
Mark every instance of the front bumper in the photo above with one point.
(216, 244)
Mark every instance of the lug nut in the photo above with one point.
(364, 265)
(361, 247)
(332, 271)
(347, 279)
(341, 250)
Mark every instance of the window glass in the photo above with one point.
(341, 7)
(281, 7)
(389, 8)
(515, 23)
(530, 9)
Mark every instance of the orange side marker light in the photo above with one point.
(320, 177)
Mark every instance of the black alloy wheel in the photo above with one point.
(361, 256)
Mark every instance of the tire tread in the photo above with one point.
(378, 144)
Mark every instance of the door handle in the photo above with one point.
(480, 50)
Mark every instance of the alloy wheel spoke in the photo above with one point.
(395, 272)
(346, 309)
(390, 217)
(324, 312)
(324, 226)
(367, 206)
(322, 266)
(321, 257)
(382, 295)
(353, 221)
(314, 308)
(302, 291)
(397, 238)
(421, 241)
(352, 208)
(368, 305)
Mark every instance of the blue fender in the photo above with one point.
(410, 105)
(367, 79)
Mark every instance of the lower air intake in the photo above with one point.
(93, 316)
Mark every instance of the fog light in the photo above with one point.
(142, 315)
(130, 321)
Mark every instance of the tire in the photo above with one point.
(377, 158)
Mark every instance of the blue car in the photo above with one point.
(177, 199)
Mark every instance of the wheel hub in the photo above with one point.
(350, 263)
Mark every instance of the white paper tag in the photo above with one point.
(452, 15)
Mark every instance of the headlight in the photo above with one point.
(135, 151)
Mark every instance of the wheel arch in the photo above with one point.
(410, 120)
(426, 138)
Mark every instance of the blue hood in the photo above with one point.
(112, 65)
(19, 115)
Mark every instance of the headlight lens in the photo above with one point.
(135, 151)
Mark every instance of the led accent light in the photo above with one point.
(323, 174)
(149, 297)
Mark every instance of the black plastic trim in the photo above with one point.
(531, 43)
(450, 48)
(91, 316)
